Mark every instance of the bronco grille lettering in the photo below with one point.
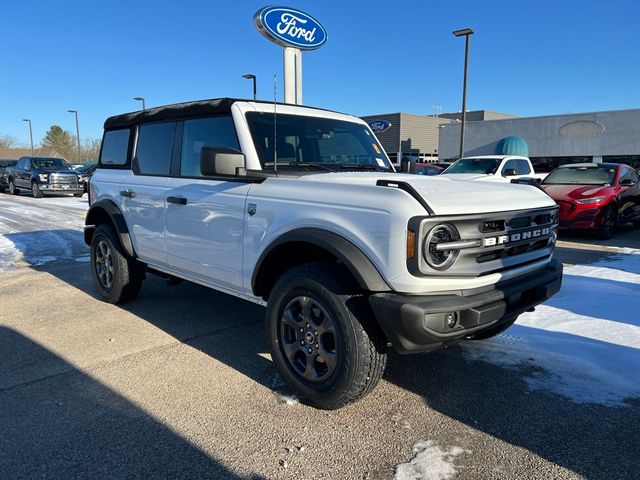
(515, 237)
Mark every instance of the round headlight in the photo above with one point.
(440, 259)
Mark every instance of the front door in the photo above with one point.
(204, 217)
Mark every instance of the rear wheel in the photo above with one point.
(605, 230)
(35, 190)
(322, 337)
(117, 276)
(12, 188)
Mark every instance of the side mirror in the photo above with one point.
(627, 182)
(216, 161)
(509, 172)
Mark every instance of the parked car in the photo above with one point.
(428, 169)
(84, 174)
(492, 168)
(347, 255)
(595, 196)
(5, 167)
(43, 175)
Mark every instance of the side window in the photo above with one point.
(509, 164)
(628, 174)
(115, 146)
(522, 167)
(210, 132)
(27, 165)
(20, 164)
(155, 145)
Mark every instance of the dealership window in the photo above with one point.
(216, 132)
(548, 164)
(155, 145)
(631, 160)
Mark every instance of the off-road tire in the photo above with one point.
(12, 188)
(605, 230)
(359, 345)
(35, 190)
(126, 274)
(493, 331)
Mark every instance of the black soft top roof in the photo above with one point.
(215, 106)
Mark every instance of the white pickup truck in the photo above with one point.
(299, 209)
(493, 168)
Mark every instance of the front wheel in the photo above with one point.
(117, 276)
(605, 231)
(35, 190)
(323, 340)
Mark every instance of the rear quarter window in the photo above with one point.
(115, 148)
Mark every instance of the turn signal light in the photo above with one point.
(411, 244)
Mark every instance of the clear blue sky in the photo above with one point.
(526, 58)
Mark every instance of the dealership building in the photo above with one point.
(612, 136)
(416, 136)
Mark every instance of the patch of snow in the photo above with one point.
(431, 462)
(84, 258)
(584, 343)
(287, 399)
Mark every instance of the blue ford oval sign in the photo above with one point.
(379, 126)
(290, 28)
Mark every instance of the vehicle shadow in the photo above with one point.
(591, 440)
(625, 236)
(58, 422)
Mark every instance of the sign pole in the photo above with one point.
(292, 75)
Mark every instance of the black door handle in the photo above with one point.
(128, 193)
(177, 200)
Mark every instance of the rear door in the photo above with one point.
(204, 217)
(142, 197)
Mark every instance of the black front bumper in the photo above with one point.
(419, 323)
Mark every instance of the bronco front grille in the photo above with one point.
(491, 242)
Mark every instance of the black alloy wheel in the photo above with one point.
(308, 339)
(103, 262)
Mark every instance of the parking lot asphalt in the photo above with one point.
(178, 384)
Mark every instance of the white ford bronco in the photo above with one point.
(299, 209)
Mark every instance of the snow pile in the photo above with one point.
(431, 462)
(585, 341)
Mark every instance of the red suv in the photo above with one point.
(595, 196)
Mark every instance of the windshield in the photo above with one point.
(601, 175)
(319, 142)
(483, 166)
(50, 163)
(7, 163)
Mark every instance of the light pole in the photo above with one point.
(30, 133)
(250, 76)
(141, 99)
(465, 32)
(75, 112)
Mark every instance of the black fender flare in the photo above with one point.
(363, 270)
(107, 209)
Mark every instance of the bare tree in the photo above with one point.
(90, 150)
(7, 141)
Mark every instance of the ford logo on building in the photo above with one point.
(379, 126)
(290, 28)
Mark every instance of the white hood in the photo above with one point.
(450, 196)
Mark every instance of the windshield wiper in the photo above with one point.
(362, 166)
(311, 164)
